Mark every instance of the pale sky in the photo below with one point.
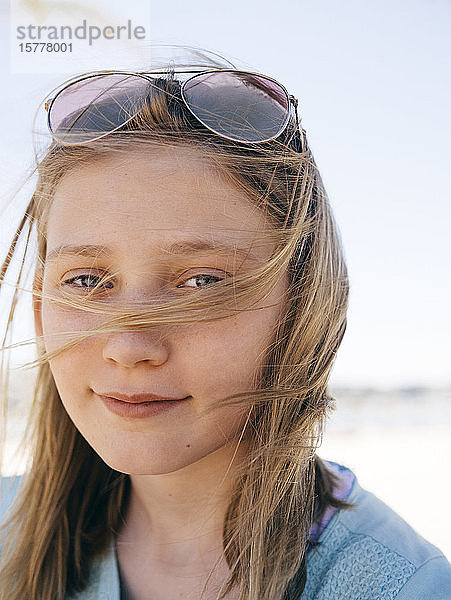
(373, 83)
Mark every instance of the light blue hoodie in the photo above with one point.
(365, 553)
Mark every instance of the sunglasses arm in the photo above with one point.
(295, 103)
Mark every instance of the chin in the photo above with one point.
(135, 465)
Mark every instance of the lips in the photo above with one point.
(137, 398)
(134, 407)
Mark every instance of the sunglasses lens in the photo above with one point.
(237, 105)
(91, 108)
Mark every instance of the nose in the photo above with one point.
(128, 348)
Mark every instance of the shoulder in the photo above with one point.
(104, 578)
(8, 490)
(370, 552)
(104, 583)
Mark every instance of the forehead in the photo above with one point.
(145, 198)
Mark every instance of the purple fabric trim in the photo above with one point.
(341, 492)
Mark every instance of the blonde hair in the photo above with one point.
(54, 532)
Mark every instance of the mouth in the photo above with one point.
(140, 408)
(139, 398)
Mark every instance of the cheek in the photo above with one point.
(226, 355)
(70, 366)
(58, 319)
(242, 343)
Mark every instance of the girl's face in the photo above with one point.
(135, 207)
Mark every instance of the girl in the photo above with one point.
(189, 298)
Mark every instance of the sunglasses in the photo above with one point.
(236, 105)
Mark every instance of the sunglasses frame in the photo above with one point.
(291, 100)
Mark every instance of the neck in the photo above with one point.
(176, 519)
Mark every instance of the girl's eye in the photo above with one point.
(201, 276)
(88, 278)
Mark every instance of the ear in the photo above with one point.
(37, 303)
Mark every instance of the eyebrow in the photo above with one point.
(182, 248)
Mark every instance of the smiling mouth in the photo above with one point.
(140, 409)
(165, 401)
(139, 398)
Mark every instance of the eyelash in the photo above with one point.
(109, 284)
